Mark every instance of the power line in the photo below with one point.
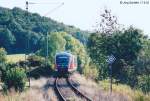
(45, 3)
(54, 9)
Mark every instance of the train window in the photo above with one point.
(62, 61)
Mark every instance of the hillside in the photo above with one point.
(16, 28)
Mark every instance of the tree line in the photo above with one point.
(17, 28)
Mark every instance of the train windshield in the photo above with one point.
(62, 61)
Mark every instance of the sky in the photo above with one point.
(84, 14)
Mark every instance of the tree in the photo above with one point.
(61, 41)
(2, 62)
(142, 63)
(144, 83)
(124, 45)
(56, 43)
(33, 27)
(108, 23)
(15, 78)
(7, 39)
(2, 55)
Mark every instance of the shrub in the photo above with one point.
(15, 78)
(90, 71)
(144, 83)
(40, 72)
(2, 62)
(35, 60)
(2, 55)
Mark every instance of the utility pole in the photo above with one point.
(28, 49)
(47, 49)
(46, 56)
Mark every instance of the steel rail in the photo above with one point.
(61, 97)
(77, 91)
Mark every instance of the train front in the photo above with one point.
(62, 61)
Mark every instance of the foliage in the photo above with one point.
(124, 45)
(56, 43)
(95, 48)
(14, 58)
(144, 83)
(2, 55)
(91, 71)
(41, 72)
(108, 24)
(17, 30)
(7, 39)
(61, 41)
(81, 36)
(2, 62)
(143, 61)
(35, 60)
(15, 78)
(129, 46)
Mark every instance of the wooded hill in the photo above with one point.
(17, 26)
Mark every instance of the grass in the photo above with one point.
(95, 91)
(13, 58)
(133, 95)
(35, 93)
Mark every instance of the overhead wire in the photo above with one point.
(54, 9)
(41, 2)
(47, 3)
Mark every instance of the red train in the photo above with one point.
(65, 63)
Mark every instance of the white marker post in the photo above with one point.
(110, 60)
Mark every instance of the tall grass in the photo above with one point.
(133, 94)
(95, 91)
(37, 92)
(13, 58)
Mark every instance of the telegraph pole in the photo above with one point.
(47, 49)
(28, 49)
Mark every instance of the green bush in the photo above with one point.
(2, 55)
(35, 60)
(144, 83)
(5, 68)
(91, 71)
(15, 78)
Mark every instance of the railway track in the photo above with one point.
(62, 84)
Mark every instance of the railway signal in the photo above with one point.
(110, 60)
